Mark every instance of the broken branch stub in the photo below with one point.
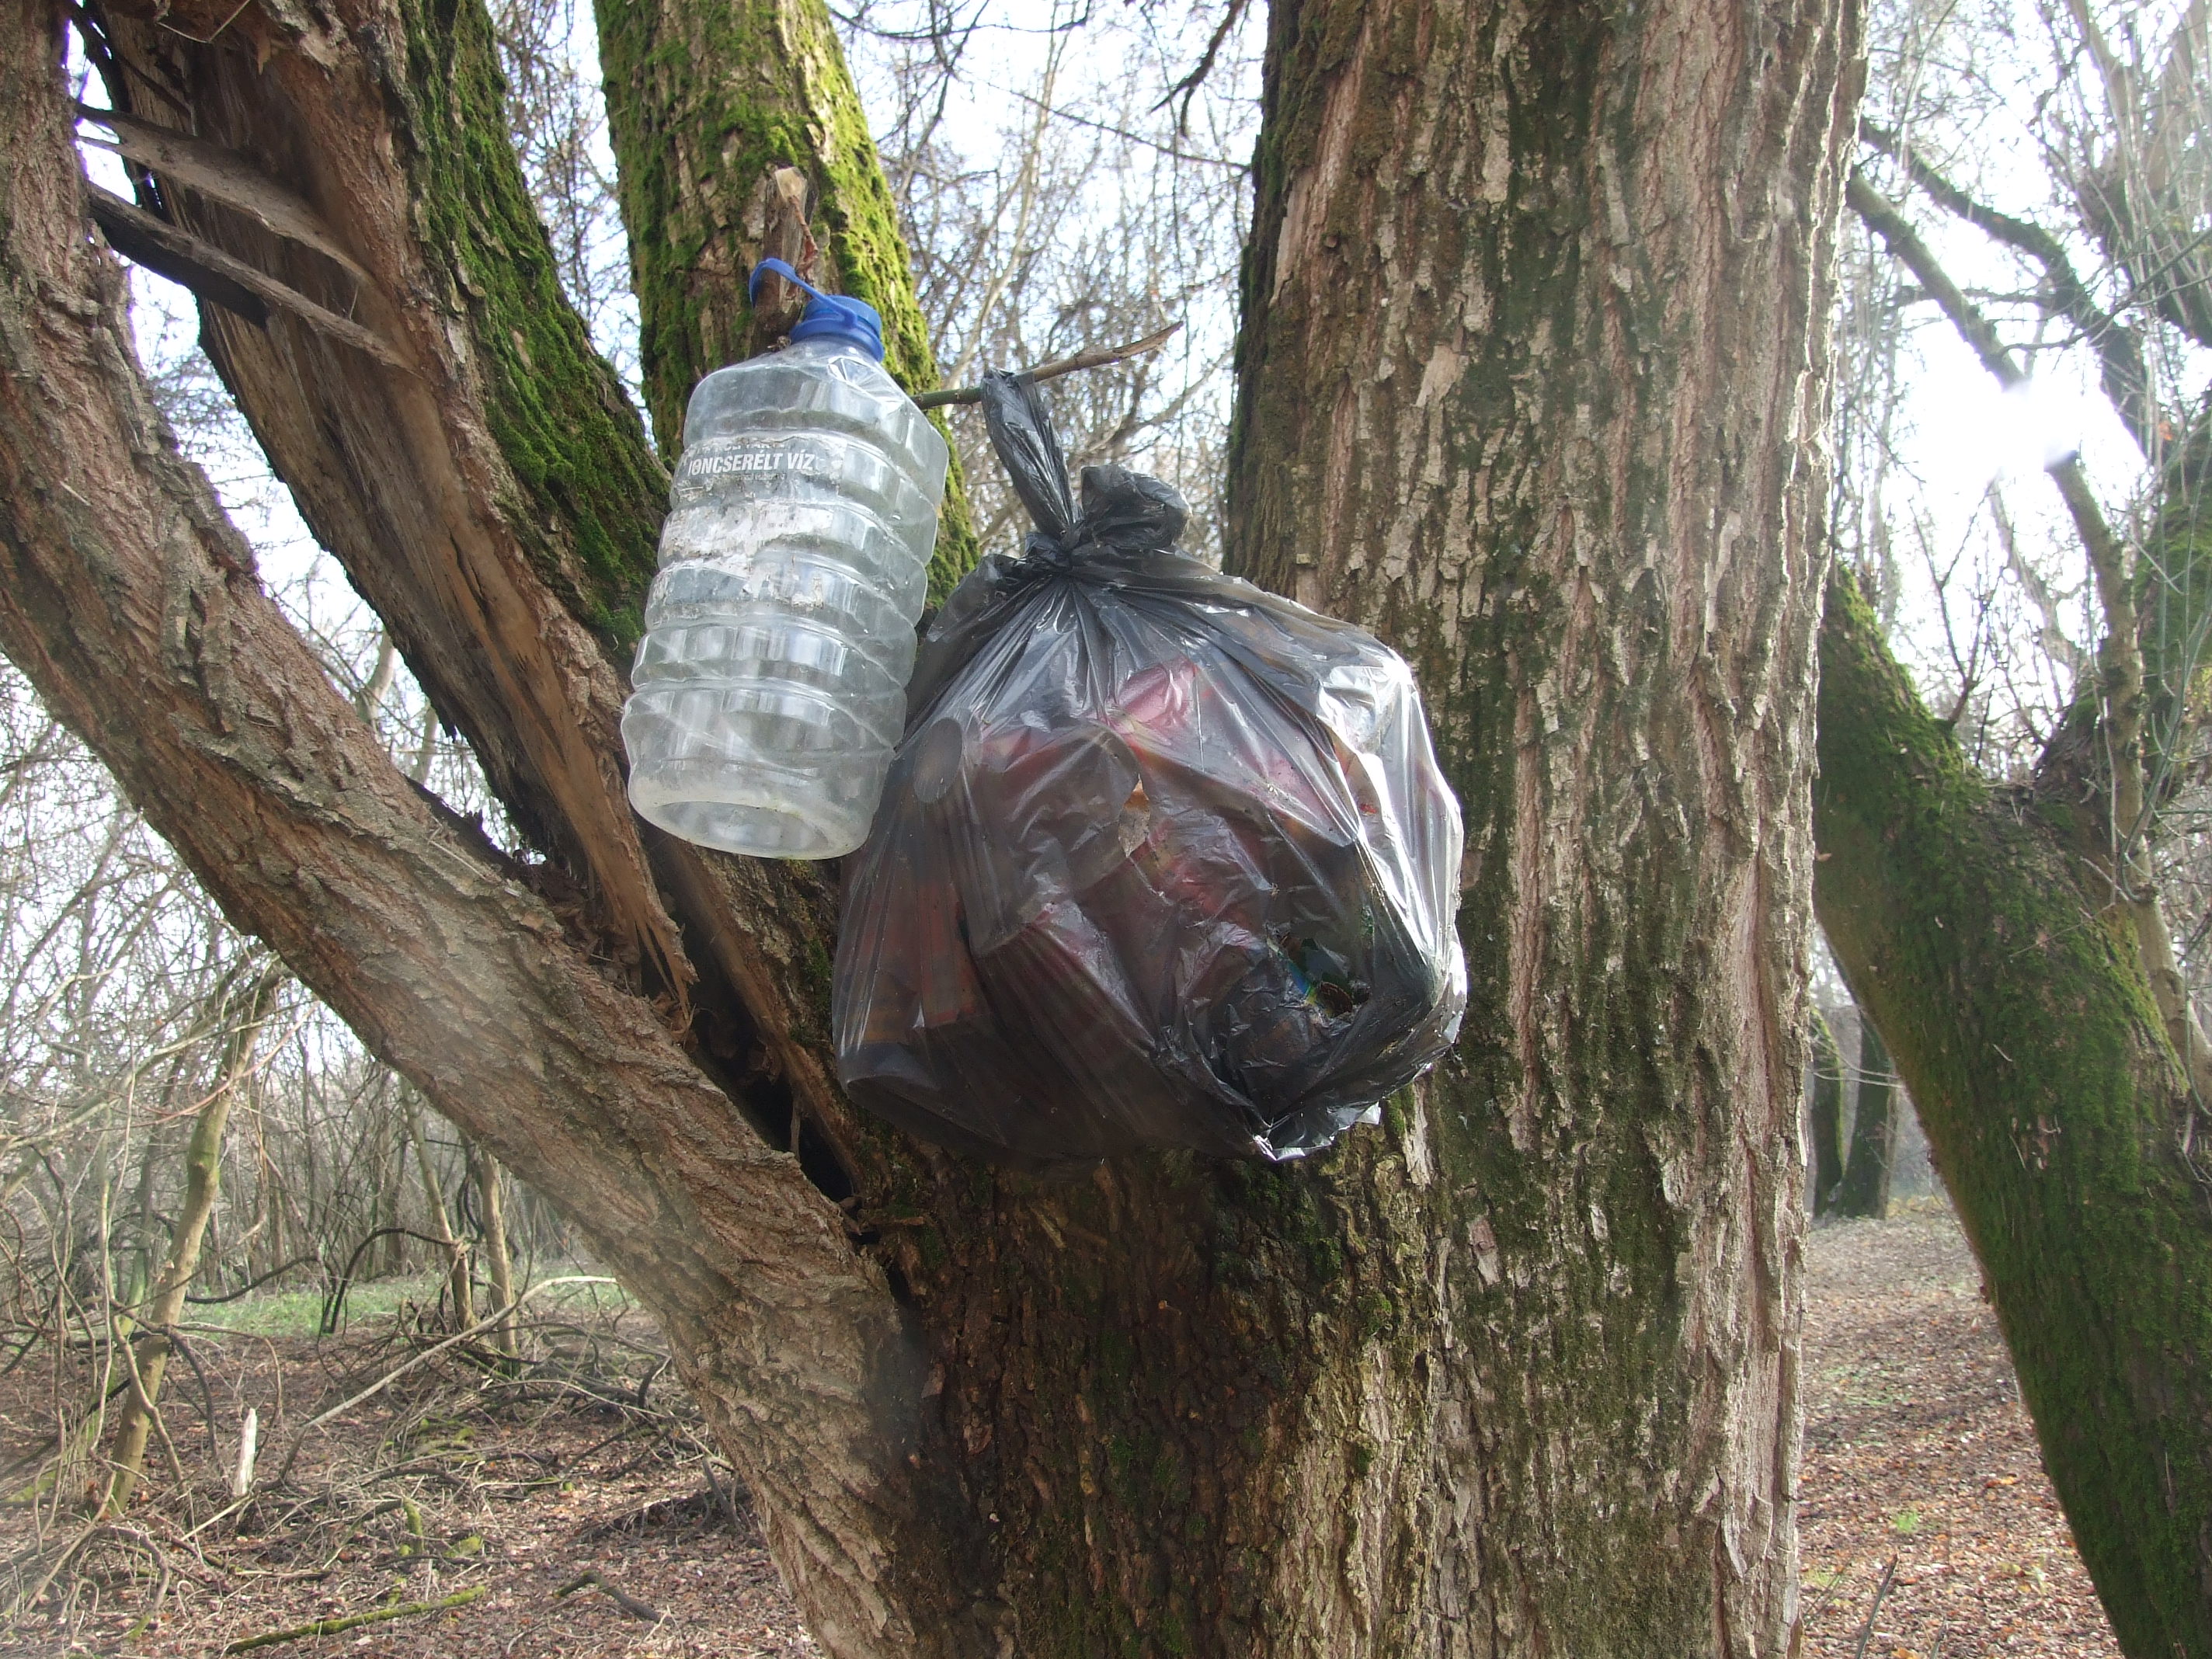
(782, 201)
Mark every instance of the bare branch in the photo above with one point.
(354, 1621)
(1099, 359)
(623, 1598)
(2107, 555)
(1187, 89)
(2118, 348)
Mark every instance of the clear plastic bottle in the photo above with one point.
(770, 686)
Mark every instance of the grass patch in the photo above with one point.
(298, 1311)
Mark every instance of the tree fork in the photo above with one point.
(2080, 1163)
(1521, 1366)
(131, 605)
(498, 505)
(496, 500)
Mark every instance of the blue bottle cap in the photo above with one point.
(833, 316)
(827, 316)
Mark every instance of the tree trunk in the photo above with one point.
(738, 134)
(1827, 1117)
(1515, 1375)
(1865, 1191)
(441, 1225)
(149, 1357)
(1522, 388)
(131, 604)
(2080, 1163)
(499, 1275)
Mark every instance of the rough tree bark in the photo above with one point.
(133, 606)
(1531, 358)
(2013, 1000)
(1533, 361)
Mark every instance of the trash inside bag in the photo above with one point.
(1163, 860)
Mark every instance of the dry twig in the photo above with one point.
(428, 1353)
(1098, 359)
(376, 1616)
(628, 1604)
(1866, 1631)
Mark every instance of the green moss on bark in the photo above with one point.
(2174, 577)
(591, 492)
(704, 101)
(2057, 1115)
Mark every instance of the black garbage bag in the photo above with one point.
(1163, 860)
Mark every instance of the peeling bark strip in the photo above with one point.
(1533, 355)
(2065, 1132)
(230, 178)
(495, 501)
(212, 274)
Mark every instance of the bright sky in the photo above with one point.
(1981, 110)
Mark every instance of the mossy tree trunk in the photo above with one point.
(712, 107)
(1521, 387)
(1824, 1110)
(2013, 1001)
(1532, 362)
(1865, 1190)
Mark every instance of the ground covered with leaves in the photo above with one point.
(1927, 1526)
(565, 1504)
(475, 1507)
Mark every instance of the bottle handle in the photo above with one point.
(782, 270)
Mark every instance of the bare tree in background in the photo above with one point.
(1097, 219)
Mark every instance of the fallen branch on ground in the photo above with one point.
(628, 1604)
(333, 1627)
(431, 1352)
(25, 1602)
